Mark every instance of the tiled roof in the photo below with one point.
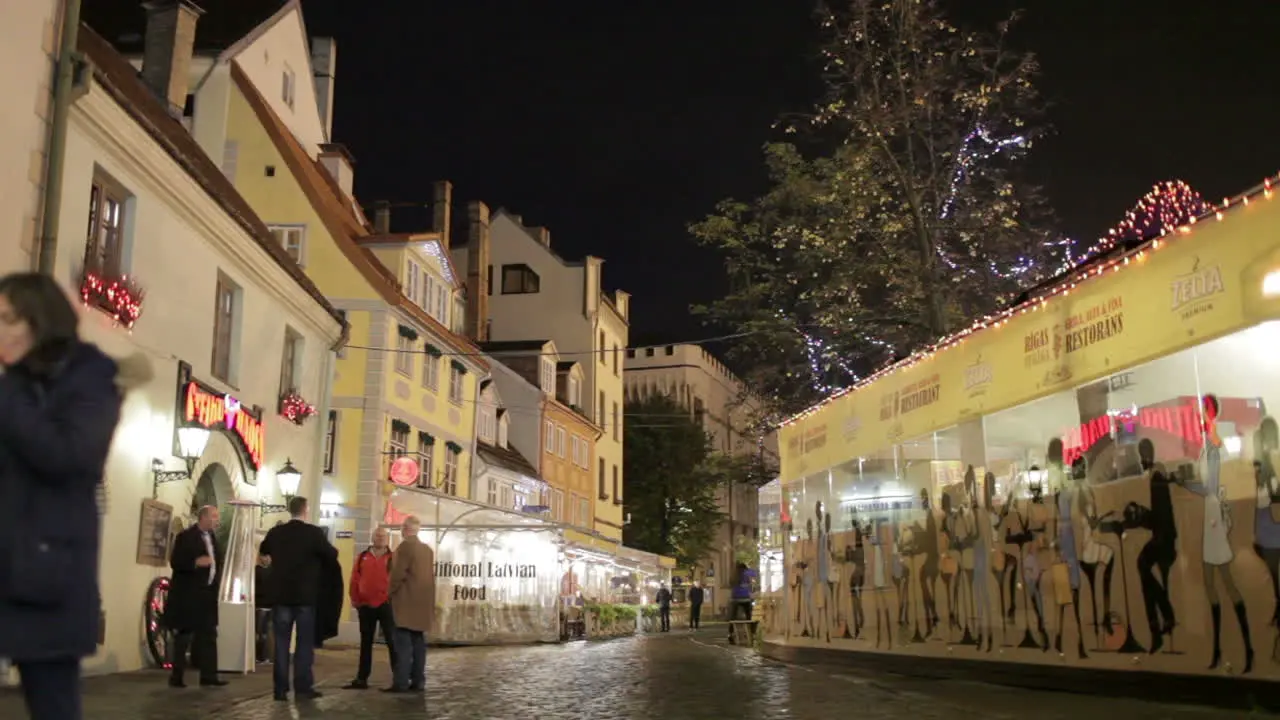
(507, 457)
(345, 229)
(119, 78)
(223, 24)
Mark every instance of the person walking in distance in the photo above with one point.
(663, 599)
(413, 602)
(61, 399)
(296, 552)
(191, 610)
(696, 596)
(370, 596)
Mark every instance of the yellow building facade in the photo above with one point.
(568, 454)
(406, 383)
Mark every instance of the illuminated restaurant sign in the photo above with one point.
(220, 411)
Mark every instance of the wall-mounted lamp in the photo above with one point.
(288, 478)
(192, 440)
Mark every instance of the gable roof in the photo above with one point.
(223, 26)
(506, 457)
(120, 79)
(427, 237)
(342, 226)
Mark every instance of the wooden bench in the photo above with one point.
(743, 632)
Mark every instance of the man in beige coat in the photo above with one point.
(413, 603)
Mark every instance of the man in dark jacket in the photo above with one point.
(370, 596)
(191, 609)
(696, 596)
(664, 607)
(297, 552)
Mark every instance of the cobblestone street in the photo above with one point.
(675, 677)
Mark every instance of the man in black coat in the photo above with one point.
(696, 596)
(191, 610)
(298, 554)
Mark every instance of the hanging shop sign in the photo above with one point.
(404, 471)
(202, 405)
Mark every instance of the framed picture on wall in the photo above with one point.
(154, 525)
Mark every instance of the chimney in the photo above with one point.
(517, 219)
(381, 217)
(442, 212)
(337, 161)
(167, 49)
(542, 235)
(478, 271)
(324, 61)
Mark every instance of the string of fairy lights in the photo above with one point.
(1169, 212)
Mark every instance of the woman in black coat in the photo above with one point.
(60, 403)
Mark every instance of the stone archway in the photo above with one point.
(214, 487)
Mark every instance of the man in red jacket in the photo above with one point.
(370, 582)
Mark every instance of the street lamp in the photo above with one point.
(288, 478)
(192, 440)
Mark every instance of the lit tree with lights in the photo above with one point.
(906, 221)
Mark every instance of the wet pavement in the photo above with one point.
(666, 677)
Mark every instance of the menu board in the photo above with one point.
(153, 533)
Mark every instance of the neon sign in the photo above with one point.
(221, 411)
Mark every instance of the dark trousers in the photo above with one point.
(284, 619)
(411, 659)
(736, 608)
(370, 619)
(695, 615)
(52, 689)
(262, 635)
(664, 612)
(203, 646)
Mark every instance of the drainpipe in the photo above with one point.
(322, 415)
(47, 250)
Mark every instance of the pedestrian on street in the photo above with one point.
(61, 400)
(413, 603)
(371, 597)
(663, 599)
(696, 596)
(740, 597)
(191, 609)
(297, 553)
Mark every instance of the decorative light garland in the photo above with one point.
(295, 409)
(121, 297)
(1167, 234)
(969, 156)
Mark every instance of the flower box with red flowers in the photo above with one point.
(294, 408)
(118, 296)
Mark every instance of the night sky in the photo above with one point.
(616, 124)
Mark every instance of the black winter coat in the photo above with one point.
(193, 601)
(55, 434)
(329, 600)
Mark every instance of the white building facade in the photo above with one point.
(230, 324)
(531, 293)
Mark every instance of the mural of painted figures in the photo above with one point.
(1102, 556)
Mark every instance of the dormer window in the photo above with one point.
(573, 392)
(488, 424)
(548, 377)
(503, 426)
(519, 279)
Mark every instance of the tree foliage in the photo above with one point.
(913, 219)
(672, 477)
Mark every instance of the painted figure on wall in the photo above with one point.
(927, 547)
(1096, 558)
(1160, 551)
(948, 562)
(984, 549)
(1216, 552)
(961, 534)
(1036, 560)
(1266, 542)
(1066, 575)
(1006, 569)
(880, 582)
(856, 558)
(822, 604)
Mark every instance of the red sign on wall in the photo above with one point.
(404, 471)
(219, 411)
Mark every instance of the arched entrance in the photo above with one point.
(214, 487)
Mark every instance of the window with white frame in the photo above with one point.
(104, 245)
(557, 505)
(442, 304)
(290, 362)
(488, 424)
(455, 383)
(491, 491)
(226, 311)
(398, 441)
(428, 291)
(293, 238)
(426, 453)
(504, 423)
(412, 275)
(573, 392)
(520, 499)
(549, 440)
(549, 377)
(451, 456)
(431, 369)
(617, 424)
(560, 441)
(582, 513)
(404, 355)
(573, 447)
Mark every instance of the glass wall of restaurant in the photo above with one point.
(1130, 522)
(773, 572)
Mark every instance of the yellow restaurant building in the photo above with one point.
(1088, 480)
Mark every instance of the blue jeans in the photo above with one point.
(411, 659)
(284, 618)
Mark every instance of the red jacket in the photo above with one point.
(371, 579)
